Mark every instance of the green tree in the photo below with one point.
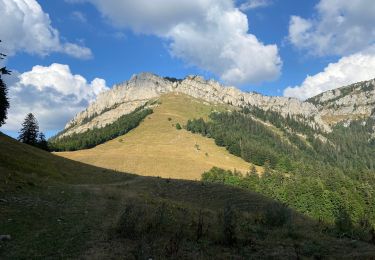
(343, 222)
(42, 142)
(178, 126)
(4, 102)
(30, 130)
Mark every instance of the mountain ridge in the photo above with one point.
(321, 112)
(141, 88)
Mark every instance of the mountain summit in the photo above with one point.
(323, 111)
(125, 97)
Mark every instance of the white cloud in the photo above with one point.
(253, 4)
(210, 34)
(338, 28)
(53, 94)
(348, 70)
(26, 28)
(79, 16)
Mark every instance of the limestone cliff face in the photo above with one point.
(125, 97)
(346, 103)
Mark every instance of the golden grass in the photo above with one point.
(335, 119)
(157, 148)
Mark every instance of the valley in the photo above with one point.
(192, 169)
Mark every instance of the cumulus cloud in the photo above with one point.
(253, 4)
(337, 28)
(26, 28)
(348, 70)
(210, 34)
(53, 94)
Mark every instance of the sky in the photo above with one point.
(63, 53)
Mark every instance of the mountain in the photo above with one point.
(308, 155)
(125, 97)
(157, 148)
(56, 208)
(278, 178)
(351, 102)
(326, 110)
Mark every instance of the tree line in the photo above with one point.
(96, 136)
(320, 179)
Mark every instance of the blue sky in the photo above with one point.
(274, 47)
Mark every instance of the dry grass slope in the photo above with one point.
(157, 148)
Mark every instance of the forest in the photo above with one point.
(96, 136)
(323, 175)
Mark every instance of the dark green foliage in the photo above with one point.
(42, 142)
(316, 178)
(229, 225)
(277, 215)
(343, 222)
(178, 126)
(30, 130)
(171, 79)
(4, 102)
(29, 134)
(97, 136)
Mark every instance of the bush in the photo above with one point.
(277, 215)
(178, 126)
(229, 226)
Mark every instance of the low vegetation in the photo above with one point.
(317, 178)
(56, 208)
(96, 136)
(157, 148)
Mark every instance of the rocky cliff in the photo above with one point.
(125, 97)
(346, 103)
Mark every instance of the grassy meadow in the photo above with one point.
(157, 148)
(57, 208)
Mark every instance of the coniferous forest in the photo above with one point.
(96, 136)
(326, 176)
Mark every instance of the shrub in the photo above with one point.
(178, 126)
(229, 226)
(277, 215)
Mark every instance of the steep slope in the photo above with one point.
(54, 208)
(351, 102)
(157, 148)
(125, 97)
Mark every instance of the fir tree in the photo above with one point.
(4, 103)
(30, 130)
(42, 142)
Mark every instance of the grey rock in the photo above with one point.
(125, 97)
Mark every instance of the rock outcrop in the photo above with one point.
(125, 97)
(346, 103)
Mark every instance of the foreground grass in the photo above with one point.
(56, 208)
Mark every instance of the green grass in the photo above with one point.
(56, 208)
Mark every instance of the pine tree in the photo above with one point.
(30, 130)
(4, 103)
(42, 142)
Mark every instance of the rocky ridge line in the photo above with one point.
(125, 97)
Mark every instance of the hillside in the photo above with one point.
(322, 169)
(157, 148)
(56, 208)
(356, 101)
